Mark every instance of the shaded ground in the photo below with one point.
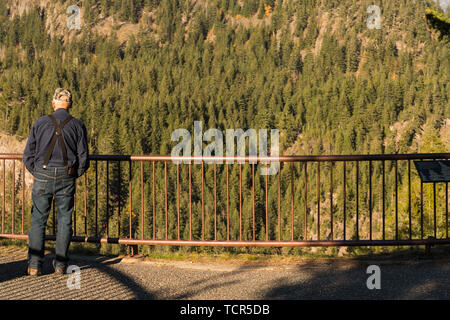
(117, 278)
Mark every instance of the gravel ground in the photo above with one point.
(117, 278)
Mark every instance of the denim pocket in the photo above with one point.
(39, 187)
(40, 180)
(40, 175)
(68, 186)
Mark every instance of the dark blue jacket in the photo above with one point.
(75, 138)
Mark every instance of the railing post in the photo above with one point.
(132, 249)
(428, 246)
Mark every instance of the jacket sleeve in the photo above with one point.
(82, 152)
(29, 153)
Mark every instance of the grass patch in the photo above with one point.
(239, 255)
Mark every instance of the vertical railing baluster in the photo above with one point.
(292, 201)
(142, 200)
(305, 231)
(203, 204)
(228, 204)
(23, 194)
(165, 199)
(331, 200)
(178, 201)
(409, 200)
(383, 200)
(396, 200)
(446, 210)
(153, 202)
(240, 202)
(279, 202)
(130, 193)
(96, 198)
(318, 200)
(370, 199)
(434, 210)
(421, 209)
(190, 202)
(267, 205)
(253, 200)
(345, 199)
(119, 202)
(357, 200)
(215, 201)
(107, 198)
(4, 196)
(13, 198)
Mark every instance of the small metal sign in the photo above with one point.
(433, 171)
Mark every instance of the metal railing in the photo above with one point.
(383, 203)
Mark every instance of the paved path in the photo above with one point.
(117, 278)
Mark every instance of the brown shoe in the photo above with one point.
(34, 272)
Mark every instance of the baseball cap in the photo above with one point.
(62, 94)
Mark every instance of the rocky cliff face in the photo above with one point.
(10, 144)
(56, 20)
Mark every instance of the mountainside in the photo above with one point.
(335, 77)
(312, 69)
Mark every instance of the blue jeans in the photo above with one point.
(48, 182)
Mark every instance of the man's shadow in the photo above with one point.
(13, 269)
